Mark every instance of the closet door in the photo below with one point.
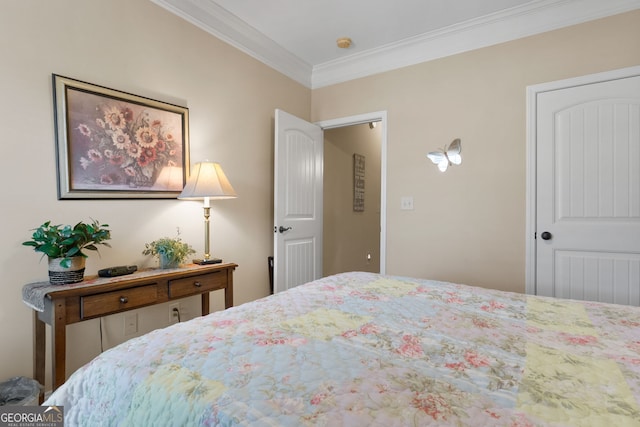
(588, 192)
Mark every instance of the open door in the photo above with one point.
(298, 170)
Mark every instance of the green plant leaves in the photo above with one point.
(58, 241)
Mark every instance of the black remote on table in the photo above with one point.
(117, 271)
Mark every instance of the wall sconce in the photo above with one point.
(207, 181)
(448, 156)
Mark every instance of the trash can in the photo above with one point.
(19, 391)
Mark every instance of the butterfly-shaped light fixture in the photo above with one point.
(450, 155)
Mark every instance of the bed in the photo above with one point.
(362, 349)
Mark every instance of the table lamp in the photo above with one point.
(207, 181)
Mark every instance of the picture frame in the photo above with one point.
(358, 182)
(115, 145)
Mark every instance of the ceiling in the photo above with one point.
(298, 37)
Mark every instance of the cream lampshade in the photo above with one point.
(207, 181)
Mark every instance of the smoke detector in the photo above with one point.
(344, 42)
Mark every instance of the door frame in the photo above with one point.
(531, 149)
(378, 116)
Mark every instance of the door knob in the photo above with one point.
(546, 235)
(283, 229)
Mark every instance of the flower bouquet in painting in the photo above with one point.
(124, 145)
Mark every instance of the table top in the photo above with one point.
(33, 294)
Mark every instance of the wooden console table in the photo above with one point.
(97, 297)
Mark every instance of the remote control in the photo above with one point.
(117, 271)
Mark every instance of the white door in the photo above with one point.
(588, 192)
(297, 201)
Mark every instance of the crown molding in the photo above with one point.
(217, 21)
(511, 24)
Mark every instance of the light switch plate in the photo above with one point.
(406, 203)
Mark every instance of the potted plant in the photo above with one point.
(171, 252)
(64, 246)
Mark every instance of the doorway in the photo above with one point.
(298, 198)
(380, 119)
(351, 199)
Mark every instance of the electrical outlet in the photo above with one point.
(130, 323)
(174, 317)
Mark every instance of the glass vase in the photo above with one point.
(167, 261)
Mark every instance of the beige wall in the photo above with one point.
(467, 226)
(349, 236)
(137, 47)
(469, 223)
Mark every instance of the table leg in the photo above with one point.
(228, 291)
(39, 352)
(59, 343)
(205, 303)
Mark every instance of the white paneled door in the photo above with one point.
(588, 191)
(298, 170)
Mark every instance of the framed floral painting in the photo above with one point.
(115, 145)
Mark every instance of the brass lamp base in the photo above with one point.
(207, 261)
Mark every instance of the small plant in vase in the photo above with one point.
(171, 252)
(64, 246)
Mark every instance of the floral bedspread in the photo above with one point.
(360, 349)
